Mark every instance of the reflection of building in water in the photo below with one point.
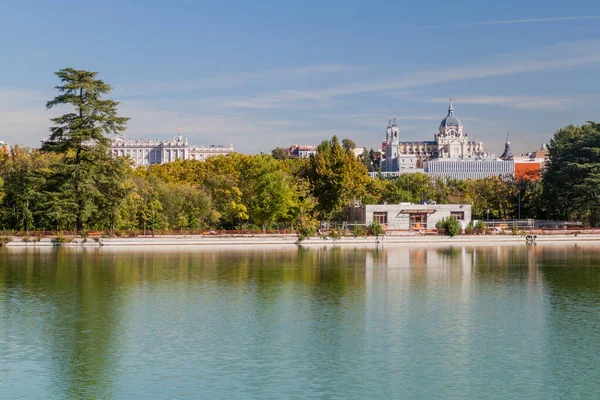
(413, 266)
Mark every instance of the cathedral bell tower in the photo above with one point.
(392, 148)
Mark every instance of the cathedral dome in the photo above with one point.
(451, 119)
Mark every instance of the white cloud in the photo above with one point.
(518, 102)
(562, 56)
(268, 77)
(246, 121)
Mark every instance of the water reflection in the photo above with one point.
(424, 321)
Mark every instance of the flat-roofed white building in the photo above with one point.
(407, 216)
(463, 169)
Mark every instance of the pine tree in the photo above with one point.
(82, 138)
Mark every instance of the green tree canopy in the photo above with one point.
(81, 137)
(572, 180)
(348, 144)
(336, 177)
(279, 153)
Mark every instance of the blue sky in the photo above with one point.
(261, 74)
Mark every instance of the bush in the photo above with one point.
(305, 231)
(515, 230)
(359, 230)
(60, 238)
(480, 225)
(4, 240)
(336, 233)
(450, 226)
(469, 230)
(375, 229)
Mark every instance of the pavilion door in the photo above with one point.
(418, 221)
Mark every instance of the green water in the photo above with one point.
(402, 322)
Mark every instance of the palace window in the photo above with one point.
(380, 218)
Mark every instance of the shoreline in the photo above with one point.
(292, 240)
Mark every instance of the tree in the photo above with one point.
(81, 137)
(23, 176)
(371, 159)
(185, 206)
(572, 180)
(336, 177)
(348, 144)
(270, 194)
(279, 153)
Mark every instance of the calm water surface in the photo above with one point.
(493, 322)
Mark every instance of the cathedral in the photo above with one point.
(449, 143)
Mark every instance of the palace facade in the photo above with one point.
(148, 152)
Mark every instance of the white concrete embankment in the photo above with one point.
(290, 240)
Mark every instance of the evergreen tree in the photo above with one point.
(87, 171)
(572, 181)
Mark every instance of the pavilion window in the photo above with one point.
(380, 217)
(458, 215)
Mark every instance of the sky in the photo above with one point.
(261, 74)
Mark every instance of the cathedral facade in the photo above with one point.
(450, 142)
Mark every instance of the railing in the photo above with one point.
(530, 223)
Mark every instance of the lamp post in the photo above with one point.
(152, 223)
(519, 204)
(488, 215)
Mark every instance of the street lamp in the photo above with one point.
(488, 215)
(152, 223)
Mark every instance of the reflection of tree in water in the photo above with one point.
(75, 297)
(83, 298)
(571, 272)
(572, 287)
(448, 252)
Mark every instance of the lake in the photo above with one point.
(395, 322)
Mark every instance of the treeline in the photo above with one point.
(240, 191)
(72, 183)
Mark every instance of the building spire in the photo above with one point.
(394, 124)
(507, 155)
(450, 108)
